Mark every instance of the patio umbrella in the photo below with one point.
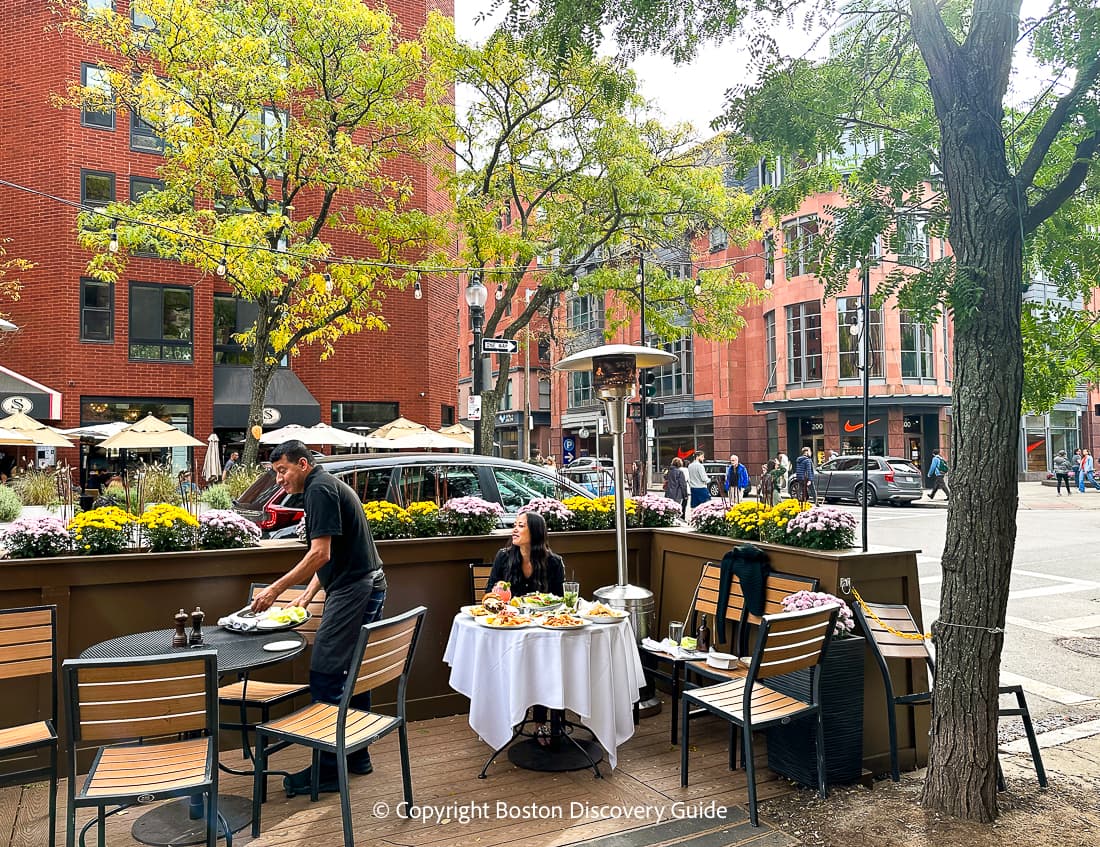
(319, 435)
(212, 464)
(461, 432)
(96, 432)
(150, 433)
(398, 428)
(10, 436)
(37, 431)
(426, 440)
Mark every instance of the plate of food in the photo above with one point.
(478, 611)
(563, 621)
(599, 613)
(288, 617)
(505, 621)
(541, 602)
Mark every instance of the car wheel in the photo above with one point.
(714, 490)
(870, 497)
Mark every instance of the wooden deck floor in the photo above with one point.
(447, 757)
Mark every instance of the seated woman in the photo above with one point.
(529, 566)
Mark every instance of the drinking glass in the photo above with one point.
(571, 592)
(676, 631)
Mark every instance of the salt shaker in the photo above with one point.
(180, 638)
(196, 626)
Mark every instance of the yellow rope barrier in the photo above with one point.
(912, 636)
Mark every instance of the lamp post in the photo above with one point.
(864, 269)
(476, 295)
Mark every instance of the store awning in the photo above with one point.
(20, 394)
(806, 405)
(287, 401)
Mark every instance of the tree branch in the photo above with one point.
(1075, 176)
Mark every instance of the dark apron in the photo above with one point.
(344, 615)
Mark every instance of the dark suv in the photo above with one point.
(405, 478)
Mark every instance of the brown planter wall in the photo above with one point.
(104, 597)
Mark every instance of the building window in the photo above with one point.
(769, 348)
(916, 348)
(267, 138)
(97, 188)
(804, 342)
(544, 350)
(139, 187)
(141, 20)
(848, 339)
(911, 239)
(232, 316)
(678, 378)
(100, 113)
(506, 397)
(580, 389)
(585, 313)
(92, 6)
(160, 323)
(97, 310)
(143, 137)
(446, 415)
(544, 395)
(719, 239)
(364, 414)
(799, 236)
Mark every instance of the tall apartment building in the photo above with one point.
(160, 339)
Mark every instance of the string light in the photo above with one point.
(576, 285)
(113, 245)
(698, 286)
(327, 277)
(418, 292)
(221, 268)
(500, 291)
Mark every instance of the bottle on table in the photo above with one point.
(702, 636)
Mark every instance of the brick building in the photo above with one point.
(99, 352)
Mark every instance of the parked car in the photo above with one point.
(717, 473)
(599, 481)
(405, 478)
(889, 479)
(585, 462)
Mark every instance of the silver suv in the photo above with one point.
(890, 479)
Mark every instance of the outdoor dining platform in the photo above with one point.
(447, 757)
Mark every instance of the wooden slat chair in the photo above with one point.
(787, 643)
(479, 579)
(886, 645)
(383, 653)
(28, 648)
(149, 702)
(247, 693)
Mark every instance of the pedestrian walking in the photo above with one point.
(636, 480)
(804, 473)
(1076, 466)
(234, 458)
(1062, 470)
(937, 476)
(343, 560)
(785, 466)
(1087, 472)
(698, 480)
(676, 484)
(737, 480)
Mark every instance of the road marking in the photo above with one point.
(1078, 624)
(1023, 623)
(1045, 690)
(1055, 737)
(928, 580)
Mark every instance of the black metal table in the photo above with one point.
(182, 821)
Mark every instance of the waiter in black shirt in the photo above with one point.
(343, 559)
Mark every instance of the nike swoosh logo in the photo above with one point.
(851, 427)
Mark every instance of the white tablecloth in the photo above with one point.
(595, 672)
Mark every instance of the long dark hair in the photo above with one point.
(540, 553)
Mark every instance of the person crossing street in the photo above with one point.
(937, 476)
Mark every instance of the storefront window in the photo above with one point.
(916, 348)
(96, 410)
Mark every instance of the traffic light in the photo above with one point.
(654, 410)
(648, 380)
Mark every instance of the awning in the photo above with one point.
(910, 402)
(20, 394)
(287, 401)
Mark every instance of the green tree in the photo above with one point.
(930, 82)
(10, 286)
(283, 124)
(561, 182)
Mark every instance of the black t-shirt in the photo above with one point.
(333, 509)
(502, 571)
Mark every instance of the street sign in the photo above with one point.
(473, 407)
(499, 345)
(568, 450)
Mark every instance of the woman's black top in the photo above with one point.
(502, 571)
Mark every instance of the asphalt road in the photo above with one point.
(1054, 599)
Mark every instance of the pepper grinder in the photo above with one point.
(196, 627)
(180, 638)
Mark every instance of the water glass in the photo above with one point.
(571, 592)
(676, 631)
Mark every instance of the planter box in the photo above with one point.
(792, 748)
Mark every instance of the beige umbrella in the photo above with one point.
(36, 431)
(212, 464)
(426, 440)
(459, 432)
(320, 434)
(399, 428)
(150, 433)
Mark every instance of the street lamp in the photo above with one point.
(863, 324)
(476, 296)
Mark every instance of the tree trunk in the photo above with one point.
(262, 371)
(986, 237)
(490, 404)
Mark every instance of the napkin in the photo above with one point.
(244, 620)
(669, 647)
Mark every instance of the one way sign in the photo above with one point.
(499, 345)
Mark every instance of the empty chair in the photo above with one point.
(158, 717)
(787, 643)
(479, 580)
(907, 642)
(28, 647)
(247, 693)
(383, 653)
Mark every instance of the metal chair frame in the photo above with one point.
(21, 656)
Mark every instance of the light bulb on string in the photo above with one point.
(698, 286)
(500, 291)
(576, 285)
(418, 292)
(327, 277)
(221, 268)
(113, 245)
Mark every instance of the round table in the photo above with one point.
(595, 672)
(182, 821)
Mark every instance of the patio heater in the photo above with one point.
(614, 369)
